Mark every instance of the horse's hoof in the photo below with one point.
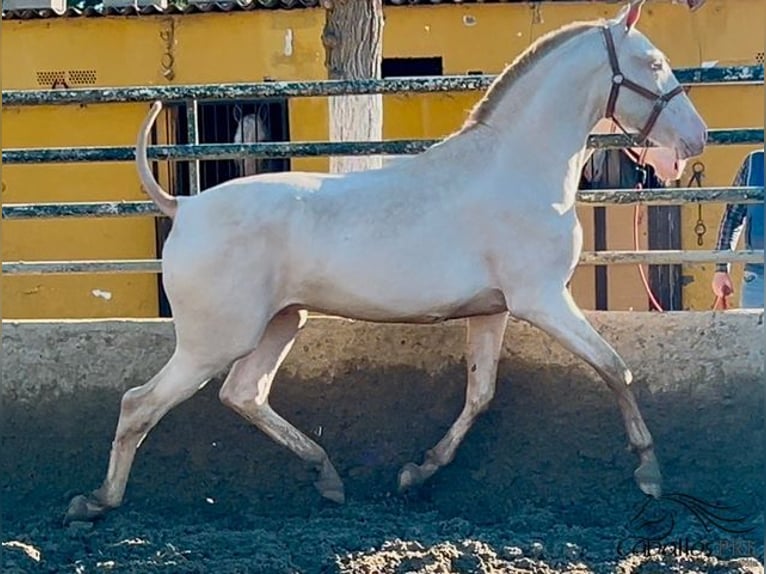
(84, 508)
(329, 484)
(331, 491)
(649, 478)
(410, 475)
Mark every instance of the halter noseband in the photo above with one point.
(618, 81)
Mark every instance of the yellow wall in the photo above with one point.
(72, 295)
(248, 46)
(123, 51)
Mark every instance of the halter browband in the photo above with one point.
(618, 81)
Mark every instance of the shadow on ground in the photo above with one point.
(543, 483)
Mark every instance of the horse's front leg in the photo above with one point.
(554, 311)
(485, 339)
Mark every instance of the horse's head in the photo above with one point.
(645, 95)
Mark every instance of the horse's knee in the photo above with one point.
(231, 397)
(133, 397)
(136, 414)
(241, 400)
(134, 407)
(617, 375)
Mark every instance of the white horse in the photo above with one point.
(480, 226)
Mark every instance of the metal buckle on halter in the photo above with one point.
(619, 81)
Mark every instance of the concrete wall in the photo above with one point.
(44, 360)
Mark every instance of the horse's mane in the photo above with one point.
(537, 50)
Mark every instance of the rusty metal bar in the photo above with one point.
(749, 136)
(649, 196)
(423, 84)
(587, 258)
(192, 131)
(670, 257)
(670, 196)
(122, 266)
(98, 209)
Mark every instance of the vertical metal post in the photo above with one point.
(193, 136)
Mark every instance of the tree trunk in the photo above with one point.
(353, 40)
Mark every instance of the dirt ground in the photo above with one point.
(543, 483)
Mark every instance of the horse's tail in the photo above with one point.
(162, 199)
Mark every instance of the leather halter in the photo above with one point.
(619, 81)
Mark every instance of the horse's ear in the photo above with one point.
(630, 14)
(634, 13)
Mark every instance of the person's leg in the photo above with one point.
(751, 291)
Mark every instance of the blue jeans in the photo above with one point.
(751, 296)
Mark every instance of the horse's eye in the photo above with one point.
(656, 65)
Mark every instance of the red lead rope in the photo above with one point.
(719, 303)
(636, 223)
(644, 280)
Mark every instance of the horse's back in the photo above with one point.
(257, 220)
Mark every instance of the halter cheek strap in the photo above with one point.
(619, 81)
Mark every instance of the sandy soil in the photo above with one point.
(208, 493)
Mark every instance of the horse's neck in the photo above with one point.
(542, 122)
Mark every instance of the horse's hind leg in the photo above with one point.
(246, 391)
(141, 409)
(557, 314)
(484, 342)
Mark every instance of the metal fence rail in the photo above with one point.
(423, 84)
(592, 198)
(134, 266)
(195, 152)
(746, 136)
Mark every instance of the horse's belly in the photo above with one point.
(487, 302)
(435, 269)
(406, 298)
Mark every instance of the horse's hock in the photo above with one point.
(377, 396)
